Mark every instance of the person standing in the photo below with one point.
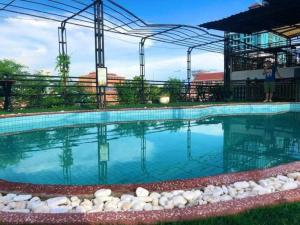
(270, 72)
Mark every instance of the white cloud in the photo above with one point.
(211, 130)
(34, 43)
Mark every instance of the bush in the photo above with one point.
(220, 93)
(174, 87)
(130, 92)
(155, 93)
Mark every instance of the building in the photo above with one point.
(251, 67)
(241, 42)
(89, 81)
(208, 77)
(202, 82)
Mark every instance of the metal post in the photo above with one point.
(189, 70)
(7, 89)
(143, 150)
(103, 153)
(99, 50)
(67, 159)
(63, 49)
(189, 141)
(227, 62)
(142, 68)
(297, 84)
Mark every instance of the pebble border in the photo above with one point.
(150, 217)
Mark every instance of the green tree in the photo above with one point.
(174, 87)
(63, 63)
(9, 69)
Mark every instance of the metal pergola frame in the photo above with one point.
(108, 16)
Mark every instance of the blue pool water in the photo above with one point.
(148, 151)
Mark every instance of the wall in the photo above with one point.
(287, 72)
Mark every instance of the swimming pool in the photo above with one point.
(142, 146)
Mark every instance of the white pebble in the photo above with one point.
(189, 195)
(154, 195)
(145, 199)
(241, 185)
(53, 202)
(138, 206)
(148, 207)
(125, 206)
(20, 198)
(289, 186)
(127, 198)
(141, 192)
(179, 200)
(163, 201)
(102, 193)
(294, 176)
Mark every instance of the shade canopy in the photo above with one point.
(279, 16)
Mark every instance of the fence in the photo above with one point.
(285, 90)
(39, 91)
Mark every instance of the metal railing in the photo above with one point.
(285, 90)
(39, 91)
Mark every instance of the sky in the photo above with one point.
(34, 42)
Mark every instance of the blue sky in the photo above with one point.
(191, 12)
(19, 40)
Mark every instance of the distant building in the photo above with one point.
(201, 79)
(241, 42)
(89, 81)
(208, 77)
(263, 40)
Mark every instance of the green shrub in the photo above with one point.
(130, 92)
(174, 88)
(155, 93)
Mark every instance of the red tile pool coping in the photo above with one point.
(204, 211)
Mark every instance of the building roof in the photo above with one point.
(281, 17)
(110, 76)
(205, 76)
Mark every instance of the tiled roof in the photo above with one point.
(109, 76)
(218, 76)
